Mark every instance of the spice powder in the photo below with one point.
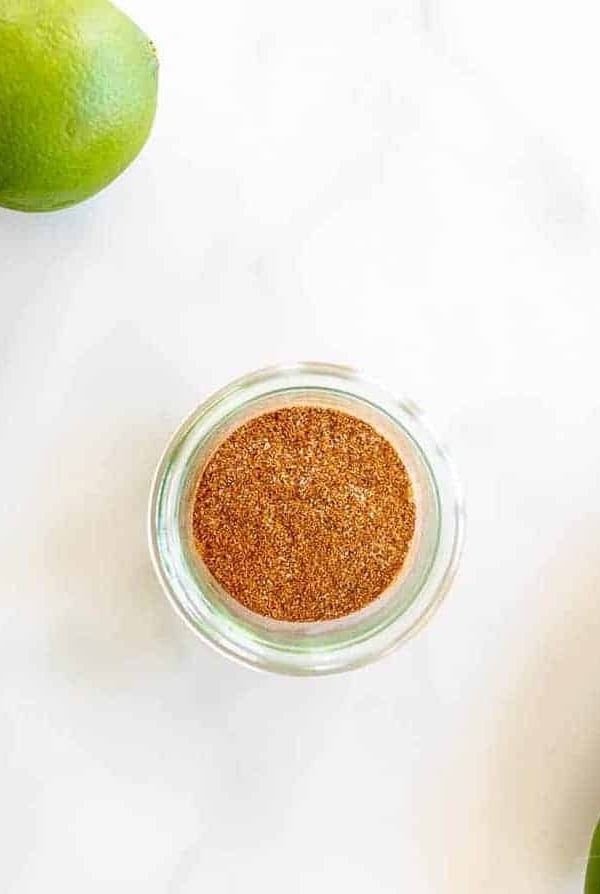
(304, 514)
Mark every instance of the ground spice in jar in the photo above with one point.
(304, 514)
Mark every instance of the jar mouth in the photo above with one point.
(319, 647)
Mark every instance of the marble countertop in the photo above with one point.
(409, 187)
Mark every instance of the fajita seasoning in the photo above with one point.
(304, 514)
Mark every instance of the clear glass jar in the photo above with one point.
(326, 646)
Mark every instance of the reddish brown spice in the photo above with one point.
(304, 514)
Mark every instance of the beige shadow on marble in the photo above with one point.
(515, 804)
(109, 619)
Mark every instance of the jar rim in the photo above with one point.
(277, 646)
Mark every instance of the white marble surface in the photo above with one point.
(411, 187)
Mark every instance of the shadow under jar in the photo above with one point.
(306, 647)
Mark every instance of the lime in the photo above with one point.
(592, 879)
(78, 85)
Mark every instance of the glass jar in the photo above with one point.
(325, 646)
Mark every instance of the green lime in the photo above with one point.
(78, 85)
(592, 879)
